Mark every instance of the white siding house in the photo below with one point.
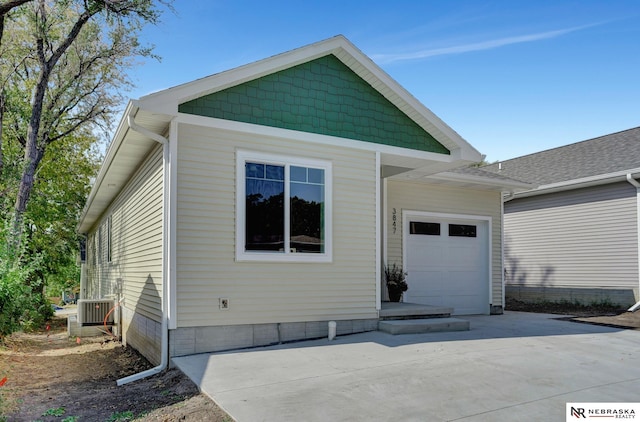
(253, 206)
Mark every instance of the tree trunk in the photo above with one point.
(35, 147)
(31, 156)
(1, 123)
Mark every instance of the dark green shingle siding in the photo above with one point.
(321, 96)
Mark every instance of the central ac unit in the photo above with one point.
(94, 311)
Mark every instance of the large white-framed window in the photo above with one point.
(284, 208)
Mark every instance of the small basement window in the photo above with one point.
(419, 227)
(462, 230)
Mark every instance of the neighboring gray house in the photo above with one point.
(575, 237)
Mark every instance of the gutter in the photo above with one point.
(635, 184)
(600, 179)
(164, 344)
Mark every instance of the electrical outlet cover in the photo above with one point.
(224, 303)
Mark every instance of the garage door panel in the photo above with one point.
(465, 255)
(426, 256)
(437, 283)
(459, 280)
(463, 305)
(431, 300)
(448, 270)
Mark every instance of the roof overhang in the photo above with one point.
(585, 182)
(126, 151)
(477, 180)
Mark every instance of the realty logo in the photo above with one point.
(578, 412)
(601, 410)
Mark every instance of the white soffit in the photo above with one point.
(125, 153)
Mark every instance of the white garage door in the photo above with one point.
(448, 263)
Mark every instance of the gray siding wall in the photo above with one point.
(581, 239)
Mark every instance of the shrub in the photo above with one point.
(22, 304)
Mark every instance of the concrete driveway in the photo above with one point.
(517, 366)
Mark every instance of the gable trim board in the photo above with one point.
(167, 101)
(266, 301)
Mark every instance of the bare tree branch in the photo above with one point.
(6, 6)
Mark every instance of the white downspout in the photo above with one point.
(502, 263)
(635, 183)
(379, 234)
(164, 344)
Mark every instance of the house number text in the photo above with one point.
(394, 218)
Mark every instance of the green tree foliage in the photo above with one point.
(74, 66)
(22, 304)
(62, 74)
(60, 192)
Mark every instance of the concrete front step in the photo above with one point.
(419, 326)
(403, 310)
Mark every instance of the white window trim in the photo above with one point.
(241, 255)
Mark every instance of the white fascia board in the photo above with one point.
(114, 146)
(488, 181)
(274, 132)
(406, 102)
(585, 182)
(167, 101)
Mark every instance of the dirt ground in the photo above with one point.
(600, 315)
(48, 377)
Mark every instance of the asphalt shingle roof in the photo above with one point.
(482, 172)
(606, 154)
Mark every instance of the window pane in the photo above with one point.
(316, 176)
(307, 213)
(254, 170)
(298, 174)
(462, 230)
(418, 227)
(275, 172)
(264, 225)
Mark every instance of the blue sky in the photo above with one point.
(511, 77)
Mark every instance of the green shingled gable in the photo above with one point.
(322, 96)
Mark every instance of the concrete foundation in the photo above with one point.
(142, 333)
(621, 297)
(193, 340)
(76, 330)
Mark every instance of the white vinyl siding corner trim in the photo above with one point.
(242, 157)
